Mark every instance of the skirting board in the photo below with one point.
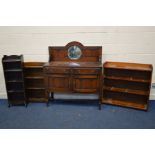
(79, 96)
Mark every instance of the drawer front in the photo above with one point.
(86, 71)
(56, 70)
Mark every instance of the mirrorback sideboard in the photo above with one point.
(70, 72)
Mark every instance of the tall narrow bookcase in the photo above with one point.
(127, 84)
(14, 79)
(34, 79)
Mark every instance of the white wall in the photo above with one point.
(130, 44)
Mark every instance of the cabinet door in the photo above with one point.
(85, 83)
(59, 83)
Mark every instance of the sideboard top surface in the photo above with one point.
(74, 64)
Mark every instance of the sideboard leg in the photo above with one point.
(52, 96)
(47, 98)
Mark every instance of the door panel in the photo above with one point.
(59, 83)
(85, 84)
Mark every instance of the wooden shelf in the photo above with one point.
(17, 102)
(128, 66)
(33, 64)
(36, 88)
(34, 67)
(13, 70)
(127, 79)
(9, 81)
(125, 103)
(126, 90)
(37, 99)
(15, 91)
(34, 77)
(12, 60)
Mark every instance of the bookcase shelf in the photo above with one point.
(14, 79)
(15, 91)
(127, 79)
(12, 58)
(37, 99)
(126, 90)
(34, 77)
(35, 87)
(127, 84)
(128, 66)
(13, 70)
(125, 103)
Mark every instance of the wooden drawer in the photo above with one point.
(56, 70)
(86, 71)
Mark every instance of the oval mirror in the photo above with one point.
(74, 52)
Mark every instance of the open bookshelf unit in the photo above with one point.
(127, 84)
(34, 79)
(14, 79)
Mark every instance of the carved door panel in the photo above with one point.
(59, 83)
(85, 83)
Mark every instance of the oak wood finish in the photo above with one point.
(89, 53)
(127, 84)
(14, 79)
(34, 79)
(73, 76)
